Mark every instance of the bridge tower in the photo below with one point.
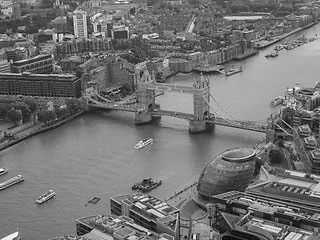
(201, 107)
(146, 99)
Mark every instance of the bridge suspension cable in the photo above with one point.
(217, 113)
(232, 115)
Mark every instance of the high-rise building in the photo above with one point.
(16, 11)
(80, 24)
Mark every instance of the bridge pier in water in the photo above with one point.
(201, 107)
(146, 98)
(142, 117)
(196, 126)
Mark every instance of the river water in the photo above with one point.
(94, 155)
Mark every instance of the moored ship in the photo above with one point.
(3, 171)
(232, 71)
(147, 184)
(277, 101)
(45, 197)
(143, 143)
(11, 182)
(272, 54)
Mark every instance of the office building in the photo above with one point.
(16, 11)
(80, 27)
(38, 64)
(149, 212)
(110, 227)
(83, 45)
(43, 85)
(120, 32)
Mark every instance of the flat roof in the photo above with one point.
(315, 154)
(296, 182)
(95, 234)
(124, 231)
(304, 128)
(310, 140)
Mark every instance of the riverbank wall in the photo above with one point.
(40, 130)
(267, 44)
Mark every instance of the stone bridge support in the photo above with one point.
(146, 99)
(201, 108)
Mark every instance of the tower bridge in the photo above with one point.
(146, 109)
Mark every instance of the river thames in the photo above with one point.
(94, 155)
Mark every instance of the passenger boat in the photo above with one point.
(232, 71)
(11, 182)
(12, 236)
(277, 101)
(143, 143)
(3, 171)
(45, 197)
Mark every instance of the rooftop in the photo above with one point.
(238, 154)
(148, 203)
(106, 226)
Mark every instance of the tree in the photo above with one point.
(62, 112)
(14, 115)
(47, 4)
(4, 108)
(46, 116)
(276, 156)
(73, 104)
(23, 107)
(33, 106)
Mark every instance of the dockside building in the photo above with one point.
(43, 85)
(111, 227)
(149, 212)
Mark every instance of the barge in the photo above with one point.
(147, 185)
(11, 181)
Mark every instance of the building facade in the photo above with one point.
(39, 64)
(4, 66)
(149, 212)
(43, 85)
(80, 24)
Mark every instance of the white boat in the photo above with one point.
(232, 71)
(143, 143)
(11, 182)
(45, 197)
(277, 101)
(3, 171)
(12, 236)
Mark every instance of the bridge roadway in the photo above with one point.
(158, 112)
(215, 120)
(167, 87)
